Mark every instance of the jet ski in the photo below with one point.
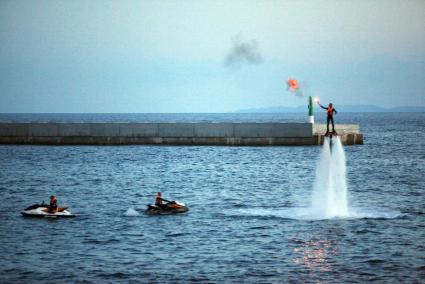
(41, 210)
(172, 207)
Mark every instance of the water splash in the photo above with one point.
(329, 199)
(131, 212)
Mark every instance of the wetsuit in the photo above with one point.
(53, 206)
(330, 117)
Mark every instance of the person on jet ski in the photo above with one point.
(159, 199)
(53, 205)
(330, 109)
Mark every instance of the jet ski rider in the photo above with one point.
(159, 199)
(330, 110)
(53, 205)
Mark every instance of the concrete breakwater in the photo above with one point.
(232, 134)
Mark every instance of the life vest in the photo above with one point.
(330, 110)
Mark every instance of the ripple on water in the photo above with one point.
(101, 242)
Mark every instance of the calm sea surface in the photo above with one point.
(242, 225)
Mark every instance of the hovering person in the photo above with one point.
(330, 118)
(53, 205)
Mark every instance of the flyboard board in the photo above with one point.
(330, 135)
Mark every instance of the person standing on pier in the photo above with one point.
(330, 118)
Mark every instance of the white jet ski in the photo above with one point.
(41, 210)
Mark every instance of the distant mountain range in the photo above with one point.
(342, 108)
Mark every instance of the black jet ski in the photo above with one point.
(42, 210)
(172, 207)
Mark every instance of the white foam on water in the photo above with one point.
(373, 213)
(131, 212)
(307, 214)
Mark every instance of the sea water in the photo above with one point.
(250, 217)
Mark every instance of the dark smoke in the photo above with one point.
(243, 52)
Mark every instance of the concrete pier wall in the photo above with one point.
(236, 134)
(348, 133)
(341, 129)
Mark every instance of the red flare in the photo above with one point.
(292, 84)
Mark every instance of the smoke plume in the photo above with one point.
(243, 52)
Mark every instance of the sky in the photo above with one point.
(208, 56)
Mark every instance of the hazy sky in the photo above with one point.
(208, 56)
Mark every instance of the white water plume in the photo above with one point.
(329, 198)
(131, 212)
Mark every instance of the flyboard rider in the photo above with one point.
(330, 117)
